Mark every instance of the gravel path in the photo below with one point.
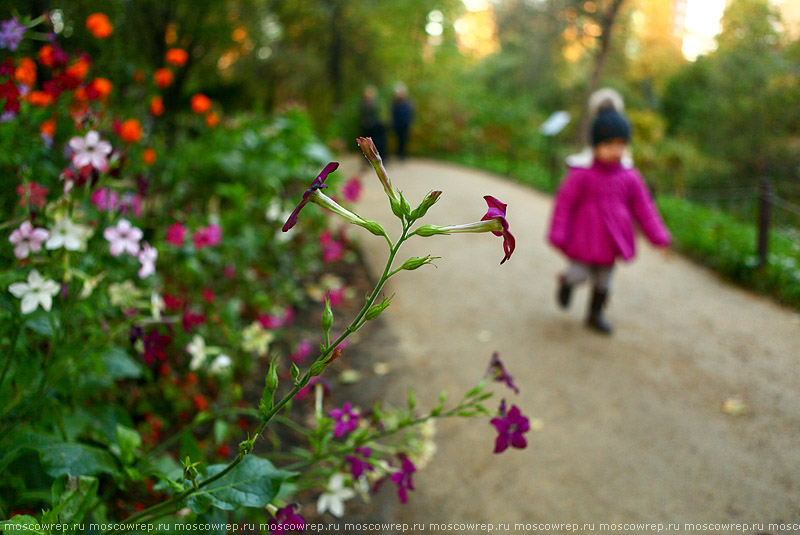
(632, 427)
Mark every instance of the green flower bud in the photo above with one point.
(376, 310)
(426, 204)
(327, 316)
(430, 230)
(317, 368)
(374, 227)
(417, 262)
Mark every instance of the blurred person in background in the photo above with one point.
(402, 116)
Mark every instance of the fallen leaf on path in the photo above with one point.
(734, 406)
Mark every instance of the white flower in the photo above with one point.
(37, 291)
(197, 349)
(27, 240)
(334, 497)
(123, 294)
(124, 238)
(157, 305)
(220, 365)
(147, 257)
(68, 235)
(90, 150)
(256, 338)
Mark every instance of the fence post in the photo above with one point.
(764, 212)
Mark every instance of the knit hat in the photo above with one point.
(610, 124)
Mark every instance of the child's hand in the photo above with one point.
(667, 254)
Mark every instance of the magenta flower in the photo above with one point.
(155, 345)
(494, 221)
(498, 372)
(105, 199)
(358, 461)
(124, 238)
(346, 420)
(510, 426)
(176, 234)
(352, 189)
(331, 248)
(27, 239)
(301, 352)
(402, 479)
(497, 212)
(316, 185)
(287, 520)
(208, 236)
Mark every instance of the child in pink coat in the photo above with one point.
(594, 215)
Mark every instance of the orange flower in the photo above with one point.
(212, 119)
(138, 76)
(99, 25)
(149, 156)
(130, 131)
(46, 57)
(25, 73)
(79, 69)
(163, 77)
(200, 103)
(177, 57)
(156, 106)
(48, 128)
(101, 87)
(40, 98)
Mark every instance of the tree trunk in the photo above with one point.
(606, 24)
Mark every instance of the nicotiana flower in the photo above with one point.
(256, 338)
(220, 365)
(176, 234)
(358, 462)
(402, 478)
(197, 349)
(371, 153)
(494, 221)
(313, 194)
(27, 239)
(510, 427)
(71, 236)
(90, 150)
(286, 520)
(155, 345)
(37, 291)
(147, 257)
(498, 372)
(11, 33)
(346, 420)
(332, 500)
(207, 236)
(352, 189)
(316, 185)
(124, 238)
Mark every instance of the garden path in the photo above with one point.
(638, 427)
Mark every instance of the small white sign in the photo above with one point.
(555, 123)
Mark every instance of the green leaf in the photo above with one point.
(43, 324)
(128, 440)
(252, 483)
(76, 460)
(73, 498)
(119, 365)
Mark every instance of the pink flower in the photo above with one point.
(27, 239)
(352, 189)
(331, 248)
(90, 150)
(510, 426)
(124, 238)
(497, 212)
(346, 420)
(336, 296)
(33, 194)
(302, 352)
(105, 199)
(402, 478)
(208, 236)
(147, 257)
(176, 234)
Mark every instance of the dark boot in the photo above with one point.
(564, 293)
(596, 320)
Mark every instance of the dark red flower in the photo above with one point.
(155, 345)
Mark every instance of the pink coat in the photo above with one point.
(595, 209)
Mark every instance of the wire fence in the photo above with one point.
(761, 204)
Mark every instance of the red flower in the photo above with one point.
(99, 25)
(176, 56)
(200, 402)
(32, 194)
(155, 345)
